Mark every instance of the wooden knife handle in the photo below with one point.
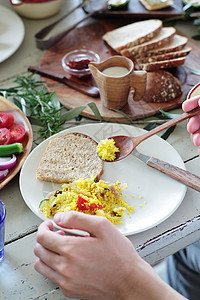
(91, 91)
(185, 177)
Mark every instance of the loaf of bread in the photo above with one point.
(162, 37)
(132, 34)
(162, 86)
(177, 43)
(162, 49)
(163, 64)
(156, 4)
(166, 56)
(70, 157)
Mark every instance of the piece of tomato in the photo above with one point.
(82, 203)
(18, 133)
(6, 119)
(11, 119)
(3, 119)
(5, 136)
(94, 206)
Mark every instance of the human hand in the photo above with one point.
(91, 267)
(193, 125)
(102, 266)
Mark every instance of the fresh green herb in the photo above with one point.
(123, 114)
(167, 115)
(150, 126)
(42, 107)
(167, 132)
(193, 70)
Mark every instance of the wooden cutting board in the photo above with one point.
(90, 37)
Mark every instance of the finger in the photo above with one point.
(95, 225)
(51, 240)
(46, 271)
(190, 103)
(196, 139)
(193, 124)
(50, 258)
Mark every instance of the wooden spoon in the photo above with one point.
(127, 144)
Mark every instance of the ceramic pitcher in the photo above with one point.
(114, 89)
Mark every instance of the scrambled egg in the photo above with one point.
(106, 149)
(90, 197)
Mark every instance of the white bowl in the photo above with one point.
(37, 10)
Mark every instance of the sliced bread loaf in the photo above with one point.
(163, 64)
(133, 34)
(162, 86)
(70, 157)
(156, 4)
(166, 56)
(177, 43)
(163, 37)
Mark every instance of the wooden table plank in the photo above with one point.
(18, 278)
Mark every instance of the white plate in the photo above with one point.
(162, 194)
(11, 32)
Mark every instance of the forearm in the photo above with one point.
(146, 285)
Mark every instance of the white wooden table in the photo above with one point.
(18, 280)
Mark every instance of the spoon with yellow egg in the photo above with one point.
(121, 146)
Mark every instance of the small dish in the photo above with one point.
(76, 62)
(20, 118)
(37, 9)
(195, 91)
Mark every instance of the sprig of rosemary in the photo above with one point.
(42, 107)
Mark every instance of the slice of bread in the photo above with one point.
(70, 157)
(163, 64)
(156, 4)
(166, 56)
(163, 37)
(133, 34)
(162, 86)
(177, 43)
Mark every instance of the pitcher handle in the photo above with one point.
(138, 83)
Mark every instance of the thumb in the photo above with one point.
(191, 103)
(80, 221)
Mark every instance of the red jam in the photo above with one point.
(78, 63)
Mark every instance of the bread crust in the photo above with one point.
(177, 43)
(132, 34)
(70, 157)
(162, 86)
(164, 64)
(163, 37)
(166, 56)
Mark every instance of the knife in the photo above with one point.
(91, 91)
(185, 177)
